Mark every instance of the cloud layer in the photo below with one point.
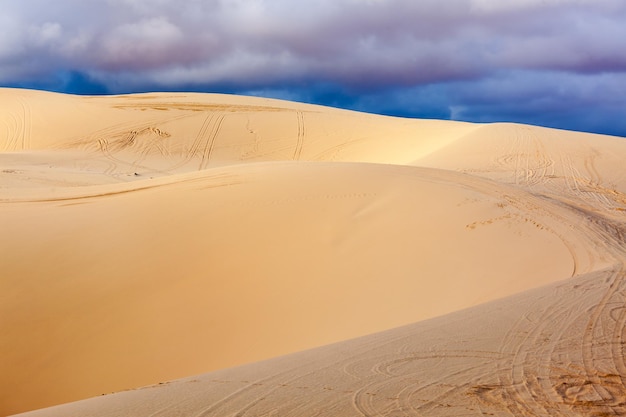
(553, 62)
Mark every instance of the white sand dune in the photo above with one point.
(157, 236)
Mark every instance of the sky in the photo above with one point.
(556, 63)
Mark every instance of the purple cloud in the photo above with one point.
(362, 47)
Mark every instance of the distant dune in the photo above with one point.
(388, 266)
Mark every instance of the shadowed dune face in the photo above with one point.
(151, 237)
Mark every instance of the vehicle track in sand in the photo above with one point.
(568, 353)
(402, 390)
(26, 136)
(127, 144)
(12, 129)
(282, 147)
(211, 137)
(150, 140)
(301, 134)
(265, 386)
(533, 160)
(204, 142)
(18, 127)
(526, 158)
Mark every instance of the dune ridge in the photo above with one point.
(156, 236)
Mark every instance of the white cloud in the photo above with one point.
(11, 38)
(45, 34)
(338, 37)
(495, 6)
(153, 31)
(147, 42)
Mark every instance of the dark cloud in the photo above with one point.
(429, 58)
(71, 82)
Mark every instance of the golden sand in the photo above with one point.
(151, 237)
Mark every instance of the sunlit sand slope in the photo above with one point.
(581, 169)
(58, 141)
(156, 236)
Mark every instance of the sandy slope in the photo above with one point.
(556, 351)
(151, 237)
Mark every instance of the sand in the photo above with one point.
(152, 237)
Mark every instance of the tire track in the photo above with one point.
(250, 386)
(543, 167)
(297, 153)
(197, 142)
(113, 162)
(114, 139)
(16, 138)
(210, 141)
(587, 188)
(381, 396)
(441, 392)
(120, 130)
(584, 385)
(203, 143)
(570, 176)
(590, 166)
(152, 140)
(619, 342)
(19, 129)
(26, 132)
(540, 380)
(529, 384)
(13, 127)
(520, 388)
(527, 158)
(7, 136)
(593, 340)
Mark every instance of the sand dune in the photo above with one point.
(543, 352)
(157, 236)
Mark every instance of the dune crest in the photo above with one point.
(156, 236)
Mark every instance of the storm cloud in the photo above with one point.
(559, 63)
